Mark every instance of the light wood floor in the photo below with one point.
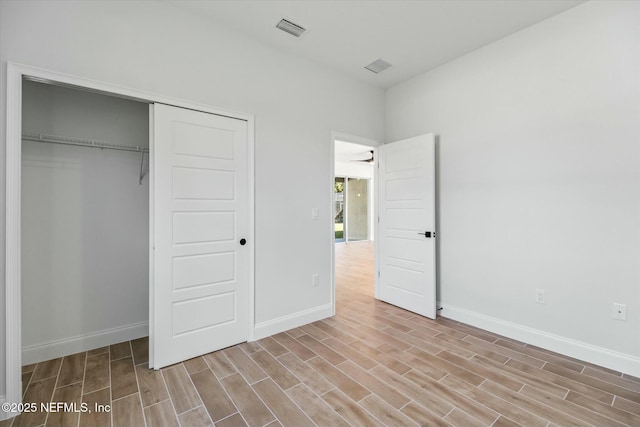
(371, 365)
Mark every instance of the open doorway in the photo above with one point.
(403, 254)
(353, 217)
(353, 192)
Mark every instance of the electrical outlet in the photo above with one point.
(540, 296)
(619, 311)
(315, 214)
(315, 280)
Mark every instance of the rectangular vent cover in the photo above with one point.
(291, 28)
(378, 65)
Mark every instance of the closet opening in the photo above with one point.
(129, 215)
(84, 221)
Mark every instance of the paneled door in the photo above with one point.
(406, 209)
(199, 284)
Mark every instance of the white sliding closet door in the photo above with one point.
(199, 289)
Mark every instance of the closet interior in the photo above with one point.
(84, 220)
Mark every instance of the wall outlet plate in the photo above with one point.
(315, 280)
(619, 311)
(540, 296)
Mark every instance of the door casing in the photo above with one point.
(15, 75)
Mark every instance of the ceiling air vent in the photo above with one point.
(291, 28)
(378, 65)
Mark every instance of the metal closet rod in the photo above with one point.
(80, 142)
(93, 143)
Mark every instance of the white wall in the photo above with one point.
(539, 178)
(85, 223)
(297, 104)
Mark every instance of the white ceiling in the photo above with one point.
(414, 36)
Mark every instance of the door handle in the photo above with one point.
(243, 242)
(428, 234)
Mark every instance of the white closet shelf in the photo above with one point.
(92, 143)
(67, 140)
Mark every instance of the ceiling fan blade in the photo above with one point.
(368, 159)
(367, 156)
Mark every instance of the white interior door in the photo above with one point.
(406, 209)
(199, 288)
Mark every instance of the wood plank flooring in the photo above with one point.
(372, 364)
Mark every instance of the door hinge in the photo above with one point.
(378, 219)
(378, 273)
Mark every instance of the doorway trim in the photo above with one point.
(331, 232)
(13, 159)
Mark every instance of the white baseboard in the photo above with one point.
(59, 348)
(600, 356)
(281, 324)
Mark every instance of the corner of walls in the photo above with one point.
(284, 323)
(59, 348)
(3, 97)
